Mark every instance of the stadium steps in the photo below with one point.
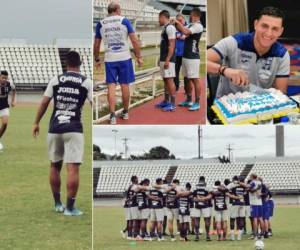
(96, 175)
(62, 54)
(246, 170)
(171, 173)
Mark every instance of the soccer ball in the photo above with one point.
(259, 245)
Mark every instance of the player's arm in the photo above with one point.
(232, 196)
(136, 48)
(13, 97)
(39, 115)
(183, 193)
(283, 73)
(186, 31)
(171, 33)
(97, 45)
(281, 84)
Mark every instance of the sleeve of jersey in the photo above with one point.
(89, 85)
(284, 66)
(171, 32)
(225, 47)
(13, 87)
(98, 33)
(128, 25)
(196, 28)
(49, 90)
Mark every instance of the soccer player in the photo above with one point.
(114, 30)
(265, 196)
(220, 194)
(184, 202)
(255, 58)
(69, 92)
(127, 215)
(203, 206)
(238, 210)
(156, 210)
(167, 61)
(179, 48)
(5, 88)
(191, 55)
(271, 207)
(172, 207)
(255, 187)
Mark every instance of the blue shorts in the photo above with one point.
(119, 72)
(266, 211)
(271, 207)
(256, 211)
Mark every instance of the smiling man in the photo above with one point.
(255, 58)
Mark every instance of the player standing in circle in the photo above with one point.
(5, 88)
(69, 92)
(114, 30)
(191, 55)
(167, 61)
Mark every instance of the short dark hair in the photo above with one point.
(112, 7)
(134, 178)
(4, 72)
(158, 180)
(73, 59)
(217, 183)
(196, 12)
(176, 181)
(226, 181)
(202, 179)
(165, 13)
(188, 185)
(271, 11)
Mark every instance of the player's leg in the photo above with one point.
(170, 218)
(4, 124)
(72, 184)
(207, 221)
(170, 86)
(224, 228)
(233, 219)
(188, 86)
(55, 183)
(197, 227)
(177, 70)
(111, 98)
(130, 229)
(165, 222)
(125, 100)
(197, 89)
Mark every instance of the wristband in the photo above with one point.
(223, 70)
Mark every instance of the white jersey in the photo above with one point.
(255, 198)
(114, 30)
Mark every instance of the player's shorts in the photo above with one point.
(184, 218)
(271, 205)
(266, 211)
(247, 211)
(157, 214)
(165, 211)
(127, 213)
(144, 214)
(190, 68)
(203, 212)
(172, 213)
(134, 213)
(4, 112)
(169, 72)
(221, 215)
(256, 211)
(67, 147)
(237, 211)
(119, 72)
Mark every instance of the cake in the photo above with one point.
(244, 107)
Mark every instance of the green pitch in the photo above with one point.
(27, 220)
(109, 221)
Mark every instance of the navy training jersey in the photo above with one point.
(238, 191)
(5, 88)
(142, 200)
(201, 191)
(191, 43)
(171, 199)
(131, 197)
(69, 92)
(184, 205)
(158, 195)
(220, 200)
(168, 33)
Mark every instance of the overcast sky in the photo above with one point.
(43, 21)
(247, 141)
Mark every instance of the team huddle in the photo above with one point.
(152, 208)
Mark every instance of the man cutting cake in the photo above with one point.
(255, 58)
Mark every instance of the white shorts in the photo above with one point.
(172, 213)
(221, 215)
(169, 72)
(4, 112)
(247, 211)
(165, 211)
(157, 214)
(134, 213)
(190, 68)
(198, 213)
(237, 211)
(127, 213)
(184, 218)
(144, 214)
(66, 147)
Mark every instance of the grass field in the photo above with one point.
(27, 219)
(109, 221)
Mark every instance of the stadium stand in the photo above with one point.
(32, 66)
(283, 176)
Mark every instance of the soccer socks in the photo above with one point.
(197, 99)
(56, 197)
(173, 99)
(70, 203)
(188, 98)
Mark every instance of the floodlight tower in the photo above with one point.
(279, 141)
